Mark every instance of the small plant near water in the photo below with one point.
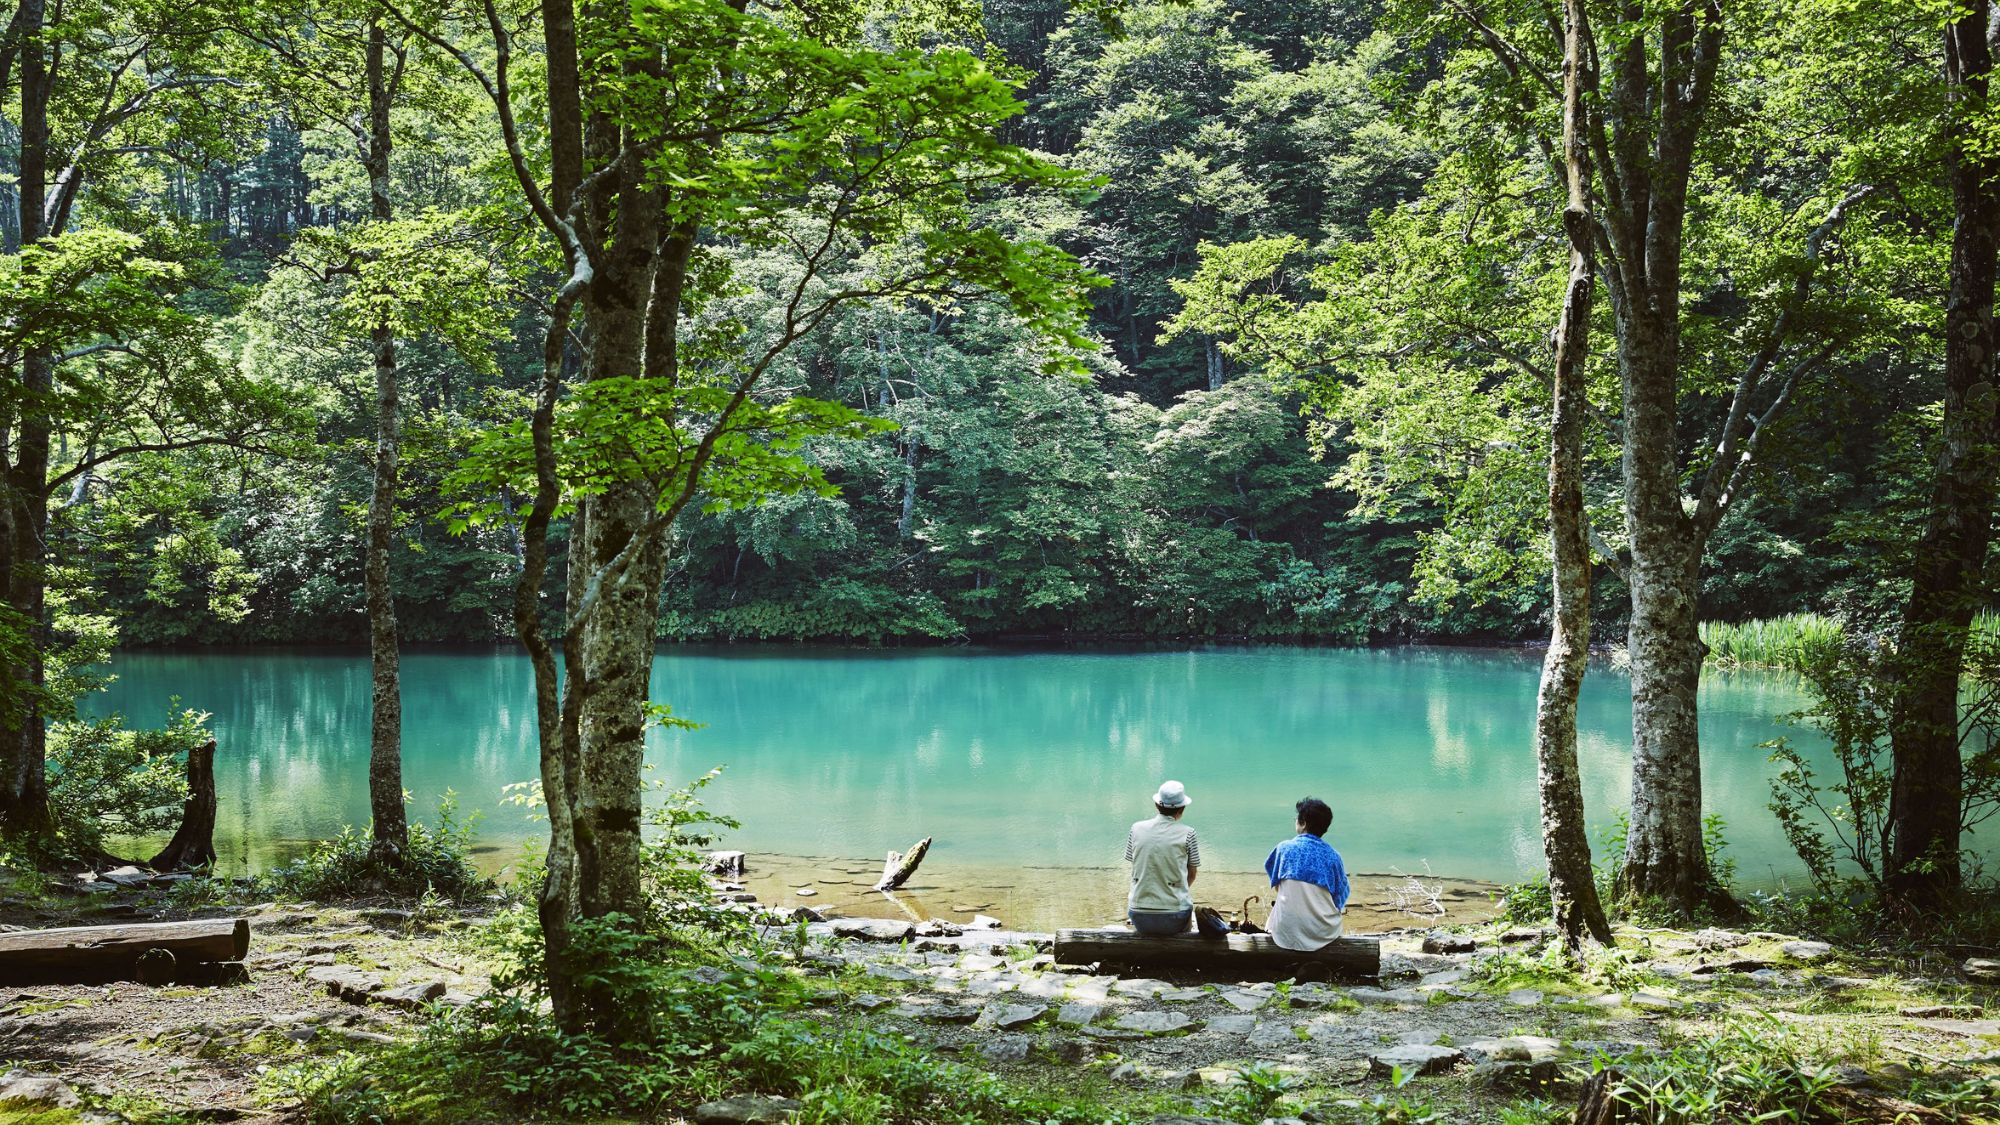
(1785, 643)
(437, 861)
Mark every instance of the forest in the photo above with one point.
(1657, 336)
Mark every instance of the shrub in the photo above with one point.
(1787, 642)
(107, 781)
(437, 861)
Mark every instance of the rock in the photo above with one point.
(1010, 1016)
(1654, 1002)
(1312, 996)
(1433, 981)
(1608, 1000)
(984, 922)
(1124, 1072)
(1079, 1013)
(1246, 1001)
(127, 877)
(1140, 986)
(1806, 950)
(19, 1087)
(1512, 1076)
(749, 1109)
(729, 865)
(953, 1013)
(1184, 1119)
(1414, 1059)
(805, 892)
(791, 915)
(1525, 997)
(1522, 935)
(345, 982)
(1448, 943)
(1153, 1023)
(868, 1001)
(1232, 1025)
(938, 927)
(1713, 938)
(1942, 1011)
(1275, 1037)
(1073, 1051)
(387, 916)
(1418, 1037)
(873, 929)
(1981, 970)
(1385, 996)
(1007, 1048)
(409, 996)
(891, 972)
(1183, 995)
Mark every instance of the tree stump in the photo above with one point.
(193, 844)
(1599, 1104)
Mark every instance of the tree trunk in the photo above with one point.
(24, 793)
(193, 844)
(1925, 813)
(907, 520)
(1213, 352)
(1565, 844)
(385, 741)
(1663, 858)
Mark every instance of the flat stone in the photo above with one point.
(1712, 938)
(1525, 997)
(1184, 1119)
(1183, 995)
(805, 892)
(127, 877)
(1654, 1002)
(1981, 970)
(1419, 1037)
(985, 922)
(1522, 936)
(1073, 1051)
(750, 1109)
(1966, 1028)
(1079, 1013)
(1275, 1036)
(1415, 1059)
(1608, 1000)
(1449, 943)
(1153, 1023)
(1232, 1025)
(1942, 1011)
(1516, 1075)
(1007, 1048)
(1010, 1016)
(1245, 1001)
(953, 1013)
(345, 982)
(1140, 986)
(1385, 996)
(1806, 950)
(891, 972)
(873, 929)
(868, 1001)
(1434, 981)
(19, 1087)
(730, 864)
(410, 996)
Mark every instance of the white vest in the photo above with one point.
(1159, 853)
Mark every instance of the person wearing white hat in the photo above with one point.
(1165, 855)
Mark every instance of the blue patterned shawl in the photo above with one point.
(1309, 859)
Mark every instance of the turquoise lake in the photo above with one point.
(1012, 759)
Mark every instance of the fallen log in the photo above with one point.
(193, 844)
(1347, 957)
(112, 951)
(897, 869)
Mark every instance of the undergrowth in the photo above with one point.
(437, 861)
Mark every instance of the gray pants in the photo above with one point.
(1148, 922)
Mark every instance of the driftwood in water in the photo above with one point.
(193, 844)
(1347, 957)
(897, 869)
(113, 951)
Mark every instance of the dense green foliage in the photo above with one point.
(1169, 492)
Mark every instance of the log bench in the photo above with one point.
(153, 952)
(1350, 957)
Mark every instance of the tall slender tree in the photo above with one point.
(1572, 883)
(1946, 578)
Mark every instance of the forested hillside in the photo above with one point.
(1164, 487)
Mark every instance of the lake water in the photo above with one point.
(1015, 761)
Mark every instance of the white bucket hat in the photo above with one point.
(1172, 795)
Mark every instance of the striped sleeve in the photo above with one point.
(1194, 849)
(1128, 845)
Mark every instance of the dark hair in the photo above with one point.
(1171, 814)
(1314, 814)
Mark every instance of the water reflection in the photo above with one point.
(1008, 757)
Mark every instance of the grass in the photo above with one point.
(1771, 642)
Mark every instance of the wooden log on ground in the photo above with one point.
(193, 844)
(1347, 957)
(109, 951)
(897, 869)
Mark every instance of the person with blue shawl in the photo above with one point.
(1311, 883)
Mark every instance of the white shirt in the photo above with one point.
(1161, 850)
(1303, 916)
